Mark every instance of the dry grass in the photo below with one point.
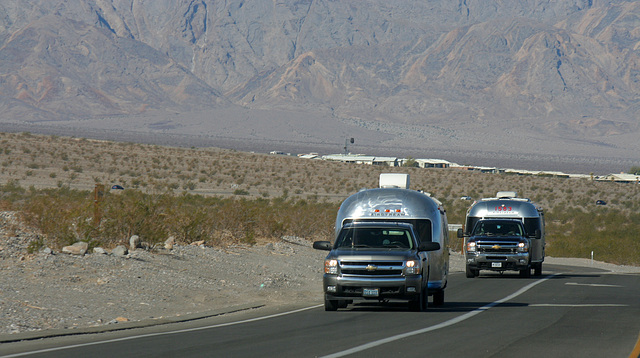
(575, 225)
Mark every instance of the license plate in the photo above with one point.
(371, 292)
(496, 264)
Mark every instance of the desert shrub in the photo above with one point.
(64, 215)
(272, 204)
(12, 191)
(189, 221)
(610, 234)
(35, 245)
(134, 213)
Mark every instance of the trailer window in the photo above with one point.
(471, 223)
(531, 225)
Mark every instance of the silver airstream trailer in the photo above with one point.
(410, 271)
(501, 252)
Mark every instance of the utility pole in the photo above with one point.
(346, 145)
(98, 195)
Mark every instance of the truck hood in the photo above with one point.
(498, 237)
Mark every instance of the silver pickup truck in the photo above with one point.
(376, 261)
(390, 244)
(498, 245)
(505, 233)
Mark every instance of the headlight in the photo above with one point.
(412, 267)
(523, 246)
(471, 246)
(331, 266)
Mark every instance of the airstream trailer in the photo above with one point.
(379, 267)
(509, 250)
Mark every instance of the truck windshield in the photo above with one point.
(422, 227)
(377, 238)
(500, 228)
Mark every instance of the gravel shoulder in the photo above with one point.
(44, 291)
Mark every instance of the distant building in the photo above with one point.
(441, 163)
(621, 178)
(492, 170)
(362, 159)
(433, 163)
(522, 172)
(388, 161)
(308, 156)
(554, 173)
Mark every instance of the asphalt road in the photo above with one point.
(566, 312)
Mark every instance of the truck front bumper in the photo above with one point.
(512, 262)
(355, 287)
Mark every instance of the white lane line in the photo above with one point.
(577, 305)
(160, 333)
(590, 284)
(437, 326)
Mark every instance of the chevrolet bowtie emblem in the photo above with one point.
(496, 247)
(372, 267)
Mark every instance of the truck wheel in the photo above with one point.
(330, 305)
(537, 270)
(421, 303)
(471, 273)
(526, 272)
(438, 298)
(343, 304)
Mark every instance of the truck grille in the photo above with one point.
(497, 247)
(372, 268)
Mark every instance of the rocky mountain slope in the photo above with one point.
(442, 77)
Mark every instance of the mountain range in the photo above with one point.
(520, 83)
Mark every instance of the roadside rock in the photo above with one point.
(169, 243)
(99, 250)
(134, 242)
(120, 250)
(79, 248)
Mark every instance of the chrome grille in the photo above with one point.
(372, 268)
(493, 247)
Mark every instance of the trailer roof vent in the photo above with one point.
(394, 180)
(506, 195)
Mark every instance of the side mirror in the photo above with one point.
(538, 235)
(429, 246)
(460, 233)
(322, 245)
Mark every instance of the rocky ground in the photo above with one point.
(51, 290)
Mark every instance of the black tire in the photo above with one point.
(343, 304)
(471, 273)
(421, 303)
(438, 298)
(330, 305)
(537, 270)
(526, 273)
